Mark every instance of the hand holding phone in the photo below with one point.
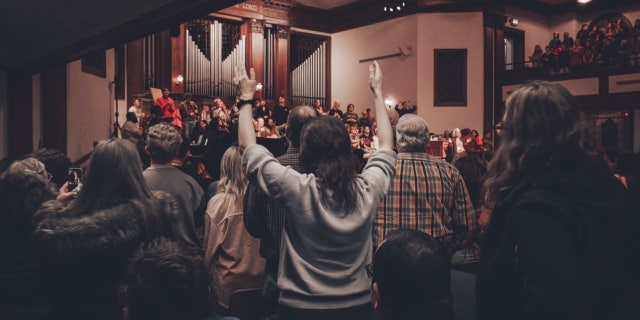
(74, 178)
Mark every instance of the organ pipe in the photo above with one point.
(309, 77)
(213, 75)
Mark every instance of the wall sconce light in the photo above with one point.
(179, 80)
(258, 86)
(513, 22)
(388, 101)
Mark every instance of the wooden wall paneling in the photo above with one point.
(327, 104)
(310, 19)
(19, 113)
(178, 60)
(493, 67)
(135, 70)
(163, 54)
(54, 108)
(281, 63)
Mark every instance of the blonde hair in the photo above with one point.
(232, 178)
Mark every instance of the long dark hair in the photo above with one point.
(325, 150)
(542, 119)
(115, 176)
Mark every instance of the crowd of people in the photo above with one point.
(613, 45)
(326, 233)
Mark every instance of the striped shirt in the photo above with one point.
(429, 195)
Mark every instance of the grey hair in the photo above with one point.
(298, 117)
(30, 166)
(163, 142)
(412, 134)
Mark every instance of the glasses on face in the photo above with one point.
(369, 269)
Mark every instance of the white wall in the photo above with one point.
(4, 134)
(411, 77)
(90, 108)
(535, 26)
(350, 79)
(451, 31)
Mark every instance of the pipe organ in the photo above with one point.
(308, 70)
(269, 50)
(212, 50)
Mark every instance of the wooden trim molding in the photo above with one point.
(95, 64)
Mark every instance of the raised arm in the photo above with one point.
(385, 133)
(247, 87)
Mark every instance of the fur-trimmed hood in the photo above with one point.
(83, 256)
(63, 233)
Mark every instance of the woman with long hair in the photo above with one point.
(24, 186)
(84, 245)
(329, 211)
(231, 253)
(552, 210)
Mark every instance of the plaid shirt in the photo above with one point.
(264, 218)
(429, 195)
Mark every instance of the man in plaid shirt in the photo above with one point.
(427, 194)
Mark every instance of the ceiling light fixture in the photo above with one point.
(584, 1)
(394, 6)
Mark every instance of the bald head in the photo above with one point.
(298, 117)
(412, 134)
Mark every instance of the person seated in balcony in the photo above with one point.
(576, 53)
(589, 55)
(567, 41)
(536, 57)
(548, 60)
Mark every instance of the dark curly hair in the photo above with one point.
(166, 281)
(325, 150)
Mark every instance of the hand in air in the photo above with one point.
(246, 84)
(375, 77)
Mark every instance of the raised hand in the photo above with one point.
(246, 84)
(375, 78)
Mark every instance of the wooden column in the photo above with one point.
(54, 108)
(281, 63)
(177, 60)
(493, 67)
(255, 48)
(19, 114)
(163, 53)
(135, 69)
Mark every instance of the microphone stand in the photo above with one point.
(116, 125)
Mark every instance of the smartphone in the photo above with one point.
(74, 178)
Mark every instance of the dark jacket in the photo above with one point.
(545, 254)
(84, 257)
